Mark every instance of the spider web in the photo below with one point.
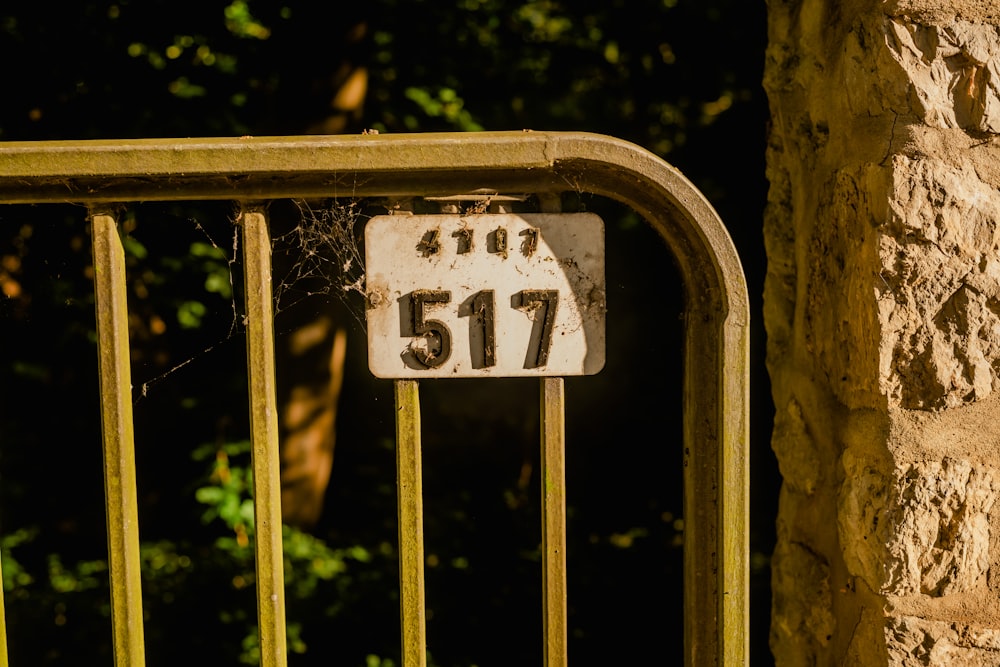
(235, 325)
(321, 256)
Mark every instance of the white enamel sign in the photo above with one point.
(485, 295)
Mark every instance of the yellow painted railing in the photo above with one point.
(101, 174)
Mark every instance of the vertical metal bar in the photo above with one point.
(119, 441)
(702, 624)
(716, 479)
(553, 427)
(734, 479)
(264, 439)
(411, 524)
(3, 627)
(553, 473)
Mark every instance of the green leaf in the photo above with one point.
(217, 282)
(134, 248)
(189, 314)
(209, 495)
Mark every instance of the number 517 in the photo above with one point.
(438, 336)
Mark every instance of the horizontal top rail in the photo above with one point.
(367, 165)
(262, 167)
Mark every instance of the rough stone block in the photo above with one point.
(802, 619)
(923, 530)
(913, 641)
(939, 300)
(839, 325)
(797, 457)
(954, 70)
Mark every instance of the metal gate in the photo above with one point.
(251, 171)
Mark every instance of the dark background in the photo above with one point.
(679, 77)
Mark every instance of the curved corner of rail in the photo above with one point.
(659, 190)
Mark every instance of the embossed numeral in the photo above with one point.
(483, 310)
(436, 332)
(546, 300)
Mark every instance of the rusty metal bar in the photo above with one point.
(411, 524)
(733, 475)
(257, 167)
(553, 473)
(3, 627)
(264, 439)
(119, 447)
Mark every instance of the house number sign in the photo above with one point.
(491, 295)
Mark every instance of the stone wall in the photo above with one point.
(882, 308)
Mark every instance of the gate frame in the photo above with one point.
(252, 169)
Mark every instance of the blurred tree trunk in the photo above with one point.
(310, 357)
